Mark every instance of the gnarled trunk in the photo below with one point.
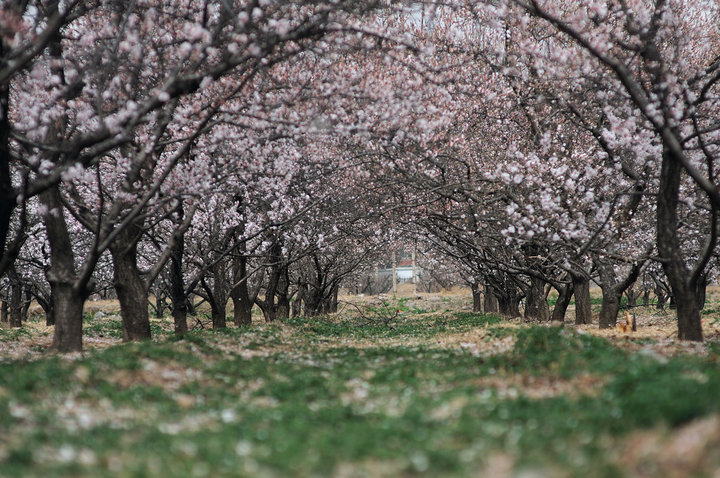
(477, 297)
(16, 295)
(610, 308)
(299, 298)
(178, 297)
(583, 305)
(67, 295)
(490, 302)
(129, 285)
(563, 301)
(68, 308)
(282, 294)
(509, 304)
(536, 306)
(240, 295)
(668, 244)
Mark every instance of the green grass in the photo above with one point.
(316, 397)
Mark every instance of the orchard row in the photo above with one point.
(269, 152)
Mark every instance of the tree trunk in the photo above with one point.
(177, 286)
(16, 293)
(509, 305)
(218, 310)
(159, 303)
(47, 308)
(536, 306)
(646, 297)
(299, 298)
(668, 244)
(610, 308)
(240, 295)
(661, 298)
(334, 299)
(632, 297)
(490, 301)
(563, 301)
(68, 297)
(68, 309)
(282, 294)
(5, 311)
(583, 305)
(701, 290)
(7, 194)
(477, 297)
(129, 285)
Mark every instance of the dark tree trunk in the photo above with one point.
(68, 296)
(701, 290)
(536, 306)
(668, 244)
(5, 311)
(177, 286)
(26, 304)
(16, 295)
(563, 302)
(220, 299)
(217, 295)
(583, 305)
(7, 194)
(646, 298)
(632, 296)
(612, 286)
(190, 304)
(610, 308)
(661, 297)
(47, 308)
(313, 302)
(509, 304)
(129, 285)
(282, 294)
(333, 299)
(68, 309)
(490, 301)
(159, 303)
(267, 304)
(299, 298)
(477, 297)
(218, 310)
(240, 295)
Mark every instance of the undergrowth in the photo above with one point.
(317, 396)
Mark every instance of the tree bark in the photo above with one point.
(7, 193)
(477, 297)
(299, 299)
(68, 296)
(490, 301)
(668, 244)
(282, 294)
(583, 305)
(129, 285)
(563, 301)
(16, 293)
(610, 307)
(701, 290)
(536, 306)
(5, 311)
(632, 296)
(240, 295)
(177, 285)
(509, 304)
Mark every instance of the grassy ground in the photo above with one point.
(432, 393)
